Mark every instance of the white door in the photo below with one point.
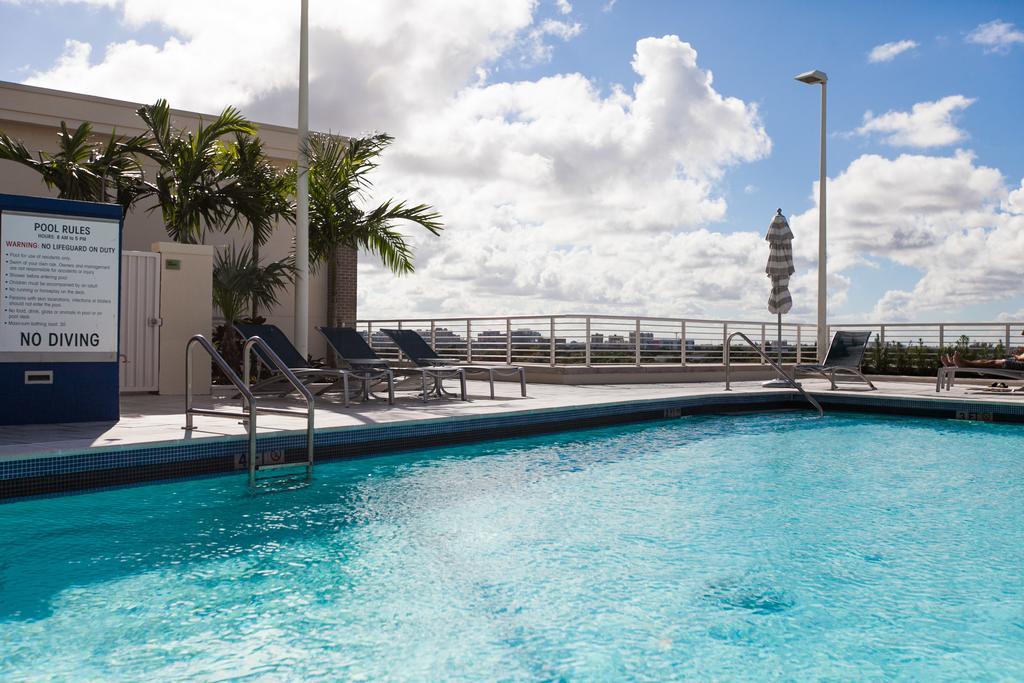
(140, 321)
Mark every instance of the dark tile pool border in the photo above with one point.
(123, 465)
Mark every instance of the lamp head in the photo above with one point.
(813, 77)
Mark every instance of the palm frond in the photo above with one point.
(339, 172)
(240, 281)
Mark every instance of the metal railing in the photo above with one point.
(778, 368)
(901, 347)
(593, 340)
(250, 408)
(600, 340)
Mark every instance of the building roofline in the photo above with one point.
(35, 105)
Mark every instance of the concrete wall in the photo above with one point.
(33, 115)
(644, 374)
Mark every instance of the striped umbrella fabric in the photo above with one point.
(780, 264)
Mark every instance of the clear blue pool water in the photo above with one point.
(746, 547)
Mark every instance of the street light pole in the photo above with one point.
(820, 78)
(301, 337)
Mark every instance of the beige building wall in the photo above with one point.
(33, 115)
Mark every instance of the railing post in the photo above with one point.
(588, 343)
(764, 348)
(682, 343)
(725, 361)
(799, 350)
(551, 341)
(942, 339)
(508, 341)
(399, 348)
(636, 344)
(433, 333)
(725, 342)
(881, 335)
(1007, 347)
(469, 341)
(369, 334)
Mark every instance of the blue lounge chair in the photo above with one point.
(286, 351)
(353, 349)
(845, 356)
(423, 355)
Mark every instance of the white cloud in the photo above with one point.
(1015, 200)
(536, 49)
(886, 52)
(996, 36)
(564, 6)
(1007, 317)
(942, 216)
(560, 194)
(557, 194)
(376, 57)
(928, 124)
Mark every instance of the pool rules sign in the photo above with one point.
(59, 283)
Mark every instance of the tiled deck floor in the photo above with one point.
(148, 419)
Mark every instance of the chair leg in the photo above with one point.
(391, 388)
(462, 384)
(490, 377)
(522, 381)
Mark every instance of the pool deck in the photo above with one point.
(150, 428)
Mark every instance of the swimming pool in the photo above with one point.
(753, 546)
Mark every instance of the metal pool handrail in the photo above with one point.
(268, 354)
(250, 400)
(250, 409)
(778, 368)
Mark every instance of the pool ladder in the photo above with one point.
(250, 407)
(778, 368)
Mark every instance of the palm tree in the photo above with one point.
(262, 195)
(81, 169)
(194, 186)
(338, 177)
(240, 282)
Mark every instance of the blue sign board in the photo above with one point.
(60, 285)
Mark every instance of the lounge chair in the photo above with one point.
(845, 356)
(423, 355)
(307, 374)
(947, 375)
(353, 349)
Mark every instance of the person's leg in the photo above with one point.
(964, 363)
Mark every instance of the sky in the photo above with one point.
(620, 156)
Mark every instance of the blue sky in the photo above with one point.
(753, 50)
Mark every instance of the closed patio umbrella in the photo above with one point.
(780, 267)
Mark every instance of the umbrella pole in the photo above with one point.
(779, 380)
(778, 341)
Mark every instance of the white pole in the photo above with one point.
(301, 337)
(822, 261)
